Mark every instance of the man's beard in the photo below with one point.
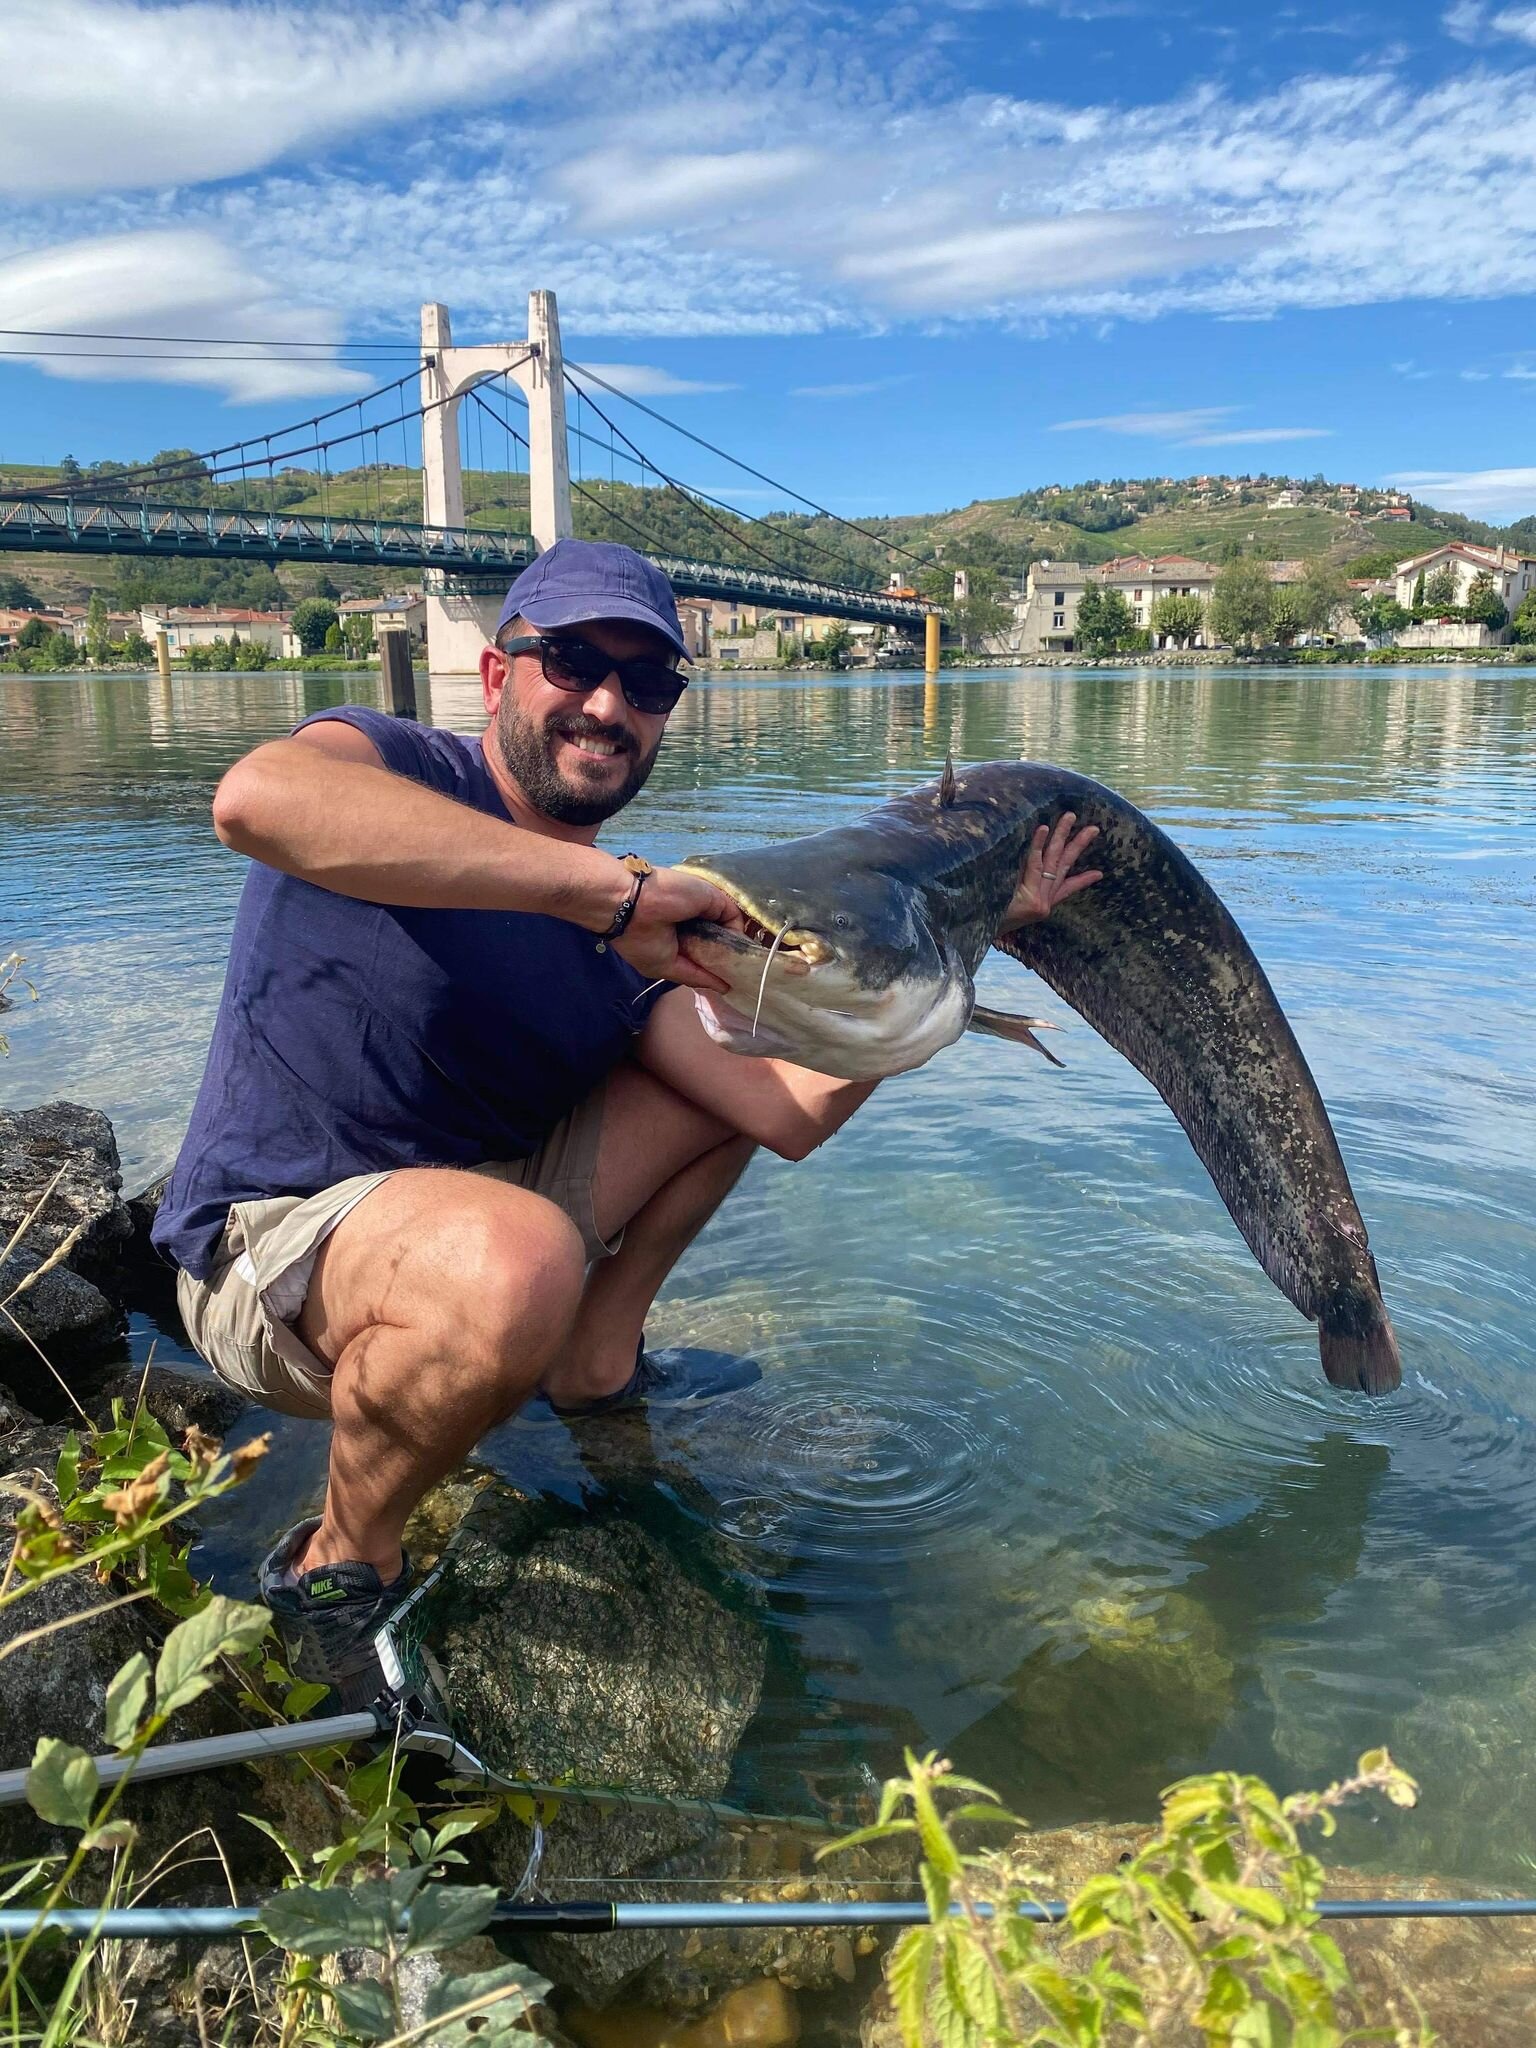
(526, 750)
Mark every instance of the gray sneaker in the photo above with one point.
(328, 1619)
(677, 1377)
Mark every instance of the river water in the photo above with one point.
(1041, 1470)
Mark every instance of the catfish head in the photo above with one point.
(838, 966)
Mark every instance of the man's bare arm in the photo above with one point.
(322, 806)
(787, 1108)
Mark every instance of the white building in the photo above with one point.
(200, 626)
(1513, 575)
(408, 613)
(1045, 618)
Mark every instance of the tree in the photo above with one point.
(1242, 602)
(69, 469)
(333, 640)
(1103, 619)
(978, 617)
(1484, 606)
(1285, 613)
(1525, 620)
(1379, 617)
(98, 638)
(1440, 589)
(35, 633)
(313, 618)
(357, 631)
(1418, 591)
(137, 649)
(1321, 595)
(15, 594)
(1177, 617)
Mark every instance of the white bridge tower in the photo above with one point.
(459, 622)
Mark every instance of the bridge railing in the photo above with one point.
(117, 527)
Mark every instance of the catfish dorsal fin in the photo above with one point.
(947, 783)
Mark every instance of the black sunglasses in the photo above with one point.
(650, 686)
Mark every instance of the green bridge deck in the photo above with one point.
(57, 525)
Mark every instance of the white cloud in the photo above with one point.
(1238, 435)
(850, 390)
(1519, 22)
(1475, 376)
(619, 190)
(643, 380)
(1499, 494)
(174, 281)
(830, 179)
(1165, 426)
(131, 94)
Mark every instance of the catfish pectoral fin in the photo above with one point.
(1018, 1030)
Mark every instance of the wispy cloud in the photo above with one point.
(177, 281)
(131, 94)
(849, 390)
(1485, 493)
(1237, 435)
(1162, 426)
(1472, 21)
(643, 380)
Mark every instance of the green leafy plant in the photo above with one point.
(1208, 1933)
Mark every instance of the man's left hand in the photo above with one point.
(1047, 877)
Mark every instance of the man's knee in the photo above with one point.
(518, 1269)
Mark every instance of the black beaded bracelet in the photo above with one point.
(639, 867)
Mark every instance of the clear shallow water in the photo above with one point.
(1041, 1470)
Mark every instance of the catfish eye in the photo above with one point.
(842, 921)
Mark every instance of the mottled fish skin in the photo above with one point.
(1155, 962)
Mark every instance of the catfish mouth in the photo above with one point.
(799, 950)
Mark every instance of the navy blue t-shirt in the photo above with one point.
(352, 1037)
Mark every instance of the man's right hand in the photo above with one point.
(668, 898)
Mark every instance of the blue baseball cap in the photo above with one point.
(577, 580)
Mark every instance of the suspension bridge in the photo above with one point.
(465, 568)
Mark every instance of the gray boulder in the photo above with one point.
(586, 1646)
(72, 1312)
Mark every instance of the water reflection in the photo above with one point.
(1041, 1468)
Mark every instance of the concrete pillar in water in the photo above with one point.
(931, 642)
(163, 655)
(460, 622)
(399, 677)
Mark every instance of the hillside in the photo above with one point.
(1211, 517)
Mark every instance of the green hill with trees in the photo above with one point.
(1214, 518)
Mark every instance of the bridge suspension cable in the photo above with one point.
(575, 371)
(397, 348)
(702, 499)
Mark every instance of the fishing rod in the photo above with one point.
(406, 1716)
(612, 1916)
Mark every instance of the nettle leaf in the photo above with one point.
(127, 1697)
(66, 1473)
(907, 1973)
(444, 1915)
(464, 1820)
(300, 1698)
(62, 1783)
(224, 1628)
(449, 1993)
(367, 2009)
(315, 1920)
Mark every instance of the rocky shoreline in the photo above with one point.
(576, 1642)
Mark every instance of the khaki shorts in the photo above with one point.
(242, 1318)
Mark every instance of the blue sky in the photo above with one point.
(901, 256)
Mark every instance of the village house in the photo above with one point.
(14, 623)
(200, 626)
(407, 613)
(1045, 614)
(76, 622)
(1513, 575)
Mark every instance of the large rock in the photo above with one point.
(71, 1314)
(582, 1645)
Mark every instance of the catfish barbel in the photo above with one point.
(858, 956)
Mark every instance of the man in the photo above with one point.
(456, 1127)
